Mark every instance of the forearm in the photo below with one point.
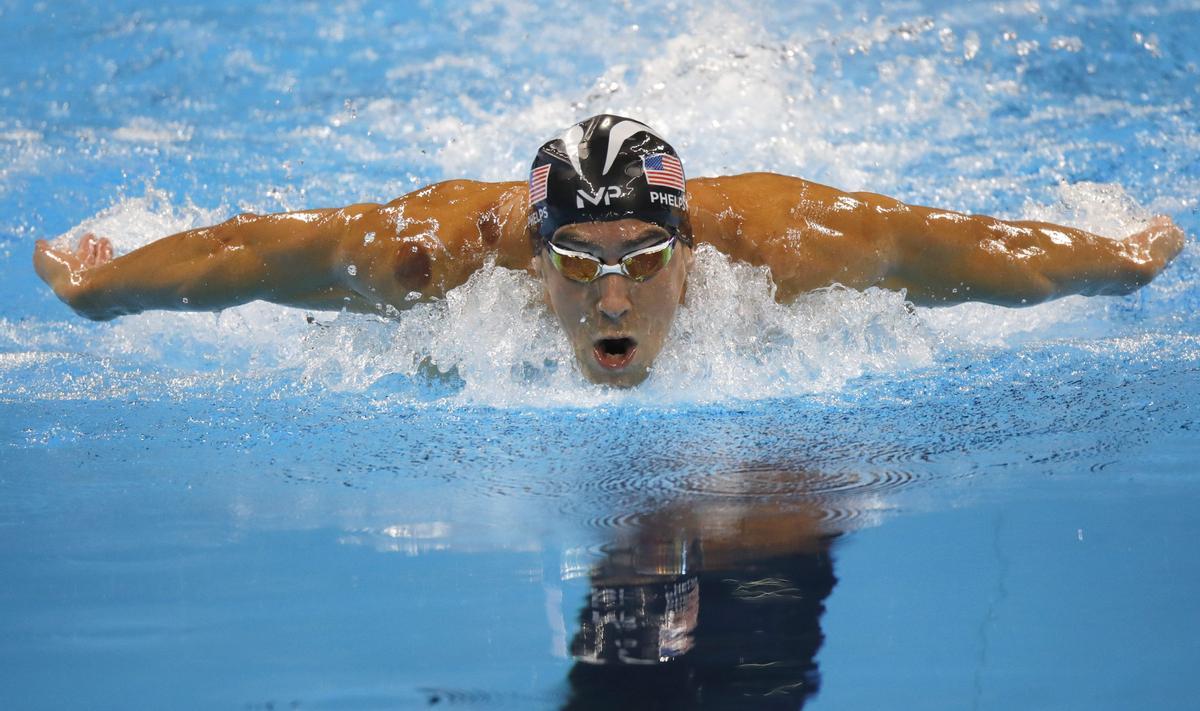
(281, 258)
(945, 257)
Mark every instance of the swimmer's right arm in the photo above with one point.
(285, 258)
(363, 258)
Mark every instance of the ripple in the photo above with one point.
(766, 480)
(616, 500)
(896, 453)
(835, 517)
(615, 521)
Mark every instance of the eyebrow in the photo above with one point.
(569, 239)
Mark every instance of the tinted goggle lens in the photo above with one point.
(575, 268)
(640, 267)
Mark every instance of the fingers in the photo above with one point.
(86, 244)
(1172, 241)
(106, 251)
(93, 251)
(1163, 238)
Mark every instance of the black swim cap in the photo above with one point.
(607, 168)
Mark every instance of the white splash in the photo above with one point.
(133, 222)
(498, 339)
(1104, 209)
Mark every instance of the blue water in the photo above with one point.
(867, 508)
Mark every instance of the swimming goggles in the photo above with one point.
(638, 265)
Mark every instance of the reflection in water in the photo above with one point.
(711, 604)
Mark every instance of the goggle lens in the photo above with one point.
(641, 267)
(576, 268)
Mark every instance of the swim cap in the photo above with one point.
(607, 168)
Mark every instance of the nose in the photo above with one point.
(614, 297)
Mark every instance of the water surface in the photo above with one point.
(840, 503)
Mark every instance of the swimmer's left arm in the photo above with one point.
(942, 257)
(811, 235)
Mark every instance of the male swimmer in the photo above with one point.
(608, 223)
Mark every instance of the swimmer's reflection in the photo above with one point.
(713, 605)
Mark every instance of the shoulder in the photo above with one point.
(433, 238)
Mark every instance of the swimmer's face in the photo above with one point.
(617, 326)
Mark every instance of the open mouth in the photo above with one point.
(614, 353)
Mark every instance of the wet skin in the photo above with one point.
(385, 258)
(616, 326)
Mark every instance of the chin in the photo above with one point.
(626, 379)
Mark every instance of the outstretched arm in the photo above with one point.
(363, 257)
(287, 258)
(977, 258)
(812, 235)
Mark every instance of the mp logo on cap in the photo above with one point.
(604, 194)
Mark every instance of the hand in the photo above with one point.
(1156, 245)
(65, 270)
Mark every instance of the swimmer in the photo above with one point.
(608, 224)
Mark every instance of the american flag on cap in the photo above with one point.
(664, 170)
(537, 183)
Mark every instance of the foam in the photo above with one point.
(507, 349)
(132, 222)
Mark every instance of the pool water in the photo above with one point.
(840, 503)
